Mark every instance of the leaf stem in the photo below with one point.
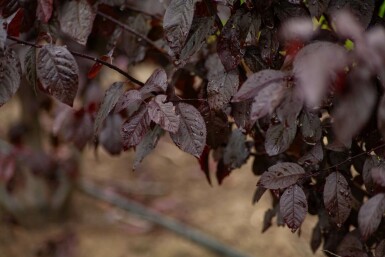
(130, 30)
(109, 65)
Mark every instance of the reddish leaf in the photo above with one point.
(278, 138)
(232, 39)
(236, 151)
(293, 207)
(110, 137)
(135, 128)
(10, 74)
(44, 10)
(222, 85)
(14, 25)
(130, 100)
(95, 69)
(58, 71)
(147, 145)
(281, 175)
(256, 82)
(110, 99)
(163, 113)
(177, 23)
(157, 83)
(191, 134)
(76, 19)
(337, 197)
(315, 66)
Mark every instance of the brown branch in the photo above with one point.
(109, 65)
(143, 212)
(130, 30)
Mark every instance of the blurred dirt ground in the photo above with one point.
(170, 182)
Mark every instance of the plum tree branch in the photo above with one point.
(84, 56)
(132, 31)
(141, 211)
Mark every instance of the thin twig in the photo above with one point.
(132, 31)
(143, 212)
(109, 65)
(329, 252)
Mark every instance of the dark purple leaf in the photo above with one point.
(267, 100)
(163, 113)
(10, 74)
(44, 10)
(281, 175)
(286, 10)
(258, 81)
(110, 137)
(317, 7)
(147, 145)
(191, 134)
(9, 7)
(201, 28)
(110, 99)
(3, 37)
(236, 151)
(316, 238)
(135, 128)
(378, 175)
(279, 138)
(310, 126)
(217, 125)
(222, 85)
(76, 19)
(381, 116)
(204, 163)
(261, 164)
(177, 23)
(253, 59)
(313, 157)
(351, 246)
(293, 207)
(133, 48)
(380, 249)
(231, 41)
(315, 67)
(362, 10)
(58, 71)
(269, 48)
(290, 108)
(337, 197)
(30, 67)
(130, 101)
(241, 114)
(222, 171)
(267, 219)
(370, 215)
(355, 108)
(156, 83)
(258, 194)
